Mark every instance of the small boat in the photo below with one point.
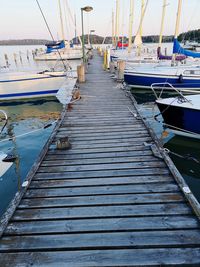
(181, 114)
(185, 78)
(22, 85)
(60, 51)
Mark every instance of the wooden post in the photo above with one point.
(81, 73)
(108, 59)
(112, 67)
(20, 56)
(15, 58)
(6, 59)
(105, 59)
(120, 72)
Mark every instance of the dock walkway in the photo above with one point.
(107, 201)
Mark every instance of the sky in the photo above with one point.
(21, 19)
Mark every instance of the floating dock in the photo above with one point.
(109, 200)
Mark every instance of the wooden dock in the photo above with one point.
(107, 201)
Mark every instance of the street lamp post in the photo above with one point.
(86, 9)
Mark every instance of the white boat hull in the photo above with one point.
(24, 86)
(69, 54)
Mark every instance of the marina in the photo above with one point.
(99, 134)
(107, 200)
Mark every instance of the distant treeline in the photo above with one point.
(96, 39)
(24, 42)
(190, 35)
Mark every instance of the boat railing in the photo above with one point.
(162, 87)
(5, 118)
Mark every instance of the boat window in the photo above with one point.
(191, 72)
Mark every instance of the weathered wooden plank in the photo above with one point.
(144, 153)
(104, 127)
(62, 201)
(97, 167)
(99, 174)
(104, 190)
(110, 136)
(100, 149)
(147, 239)
(108, 141)
(59, 162)
(102, 212)
(100, 181)
(102, 258)
(102, 225)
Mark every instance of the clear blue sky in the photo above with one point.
(22, 19)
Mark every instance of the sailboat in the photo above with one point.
(22, 85)
(183, 77)
(61, 50)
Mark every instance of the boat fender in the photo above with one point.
(180, 79)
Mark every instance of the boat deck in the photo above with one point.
(106, 201)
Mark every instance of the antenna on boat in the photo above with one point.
(130, 25)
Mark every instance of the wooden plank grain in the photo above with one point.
(147, 239)
(102, 212)
(102, 225)
(102, 190)
(97, 200)
(101, 258)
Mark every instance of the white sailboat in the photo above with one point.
(22, 85)
(63, 50)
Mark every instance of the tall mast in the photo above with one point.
(178, 16)
(142, 15)
(162, 22)
(130, 26)
(61, 21)
(117, 23)
(75, 33)
(113, 30)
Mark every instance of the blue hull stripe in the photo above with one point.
(28, 79)
(29, 94)
(148, 81)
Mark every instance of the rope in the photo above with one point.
(6, 120)
(24, 134)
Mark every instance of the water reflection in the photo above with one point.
(24, 117)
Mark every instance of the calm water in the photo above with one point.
(185, 151)
(24, 117)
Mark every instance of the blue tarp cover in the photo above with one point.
(177, 49)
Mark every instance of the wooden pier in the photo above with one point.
(106, 201)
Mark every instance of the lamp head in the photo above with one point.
(87, 8)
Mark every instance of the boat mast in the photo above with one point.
(117, 23)
(138, 37)
(61, 21)
(113, 30)
(162, 22)
(178, 16)
(130, 26)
